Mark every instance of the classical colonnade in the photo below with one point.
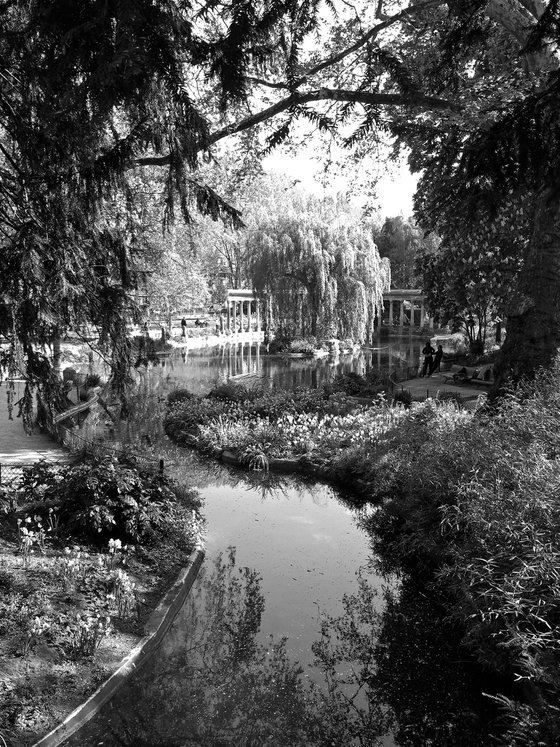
(242, 311)
(401, 308)
(405, 308)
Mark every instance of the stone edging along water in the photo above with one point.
(302, 465)
(156, 627)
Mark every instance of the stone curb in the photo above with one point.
(156, 627)
(299, 466)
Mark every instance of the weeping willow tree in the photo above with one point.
(321, 279)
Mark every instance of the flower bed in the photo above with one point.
(85, 553)
(258, 427)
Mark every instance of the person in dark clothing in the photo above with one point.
(183, 327)
(437, 360)
(428, 353)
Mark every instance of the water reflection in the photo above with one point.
(424, 674)
(212, 683)
(390, 677)
(418, 682)
(201, 369)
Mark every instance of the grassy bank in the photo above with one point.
(86, 551)
(468, 509)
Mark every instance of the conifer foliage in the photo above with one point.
(86, 87)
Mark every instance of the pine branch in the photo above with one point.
(411, 100)
(367, 37)
(267, 83)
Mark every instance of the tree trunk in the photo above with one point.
(533, 317)
(56, 356)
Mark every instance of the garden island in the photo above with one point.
(291, 471)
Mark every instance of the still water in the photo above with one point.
(200, 369)
(237, 666)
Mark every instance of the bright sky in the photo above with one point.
(394, 190)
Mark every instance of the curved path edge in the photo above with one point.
(156, 627)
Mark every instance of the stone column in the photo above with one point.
(228, 311)
(401, 314)
(234, 315)
(422, 314)
(390, 313)
(250, 316)
(258, 313)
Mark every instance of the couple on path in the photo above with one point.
(432, 359)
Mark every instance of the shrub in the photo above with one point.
(108, 498)
(349, 383)
(229, 391)
(371, 384)
(454, 397)
(39, 480)
(403, 397)
(183, 417)
(179, 395)
(305, 346)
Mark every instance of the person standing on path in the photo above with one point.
(183, 327)
(428, 352)
(437, 360)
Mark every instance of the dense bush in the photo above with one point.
(353, 384)
(275, 423)
(306, 346)
(283, 343)
(237, 404)
(403, 397)
(471, 507)
(104, 498)
(179, 394)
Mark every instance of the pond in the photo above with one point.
(239, 665)
(200, 369)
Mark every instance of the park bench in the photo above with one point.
(453, 372)
(481, 376)
(484, 376)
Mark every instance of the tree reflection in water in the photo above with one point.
(391, 677)
(408, 665)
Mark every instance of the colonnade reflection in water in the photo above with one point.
(200, 369)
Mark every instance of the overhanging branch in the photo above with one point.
(299, 98)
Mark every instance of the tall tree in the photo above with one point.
(86, 87)
(401, 241)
